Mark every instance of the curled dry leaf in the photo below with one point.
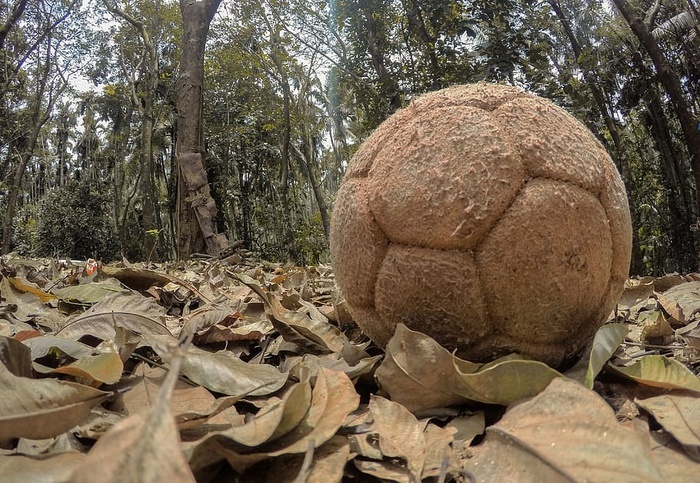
(606, 341)
(659, 371)
(326, 464)
(420, 374)
(565, 433)
(39, 409)
(333, 398)
(399, 434)
(312, 333)
(101, 368)
(144, 447)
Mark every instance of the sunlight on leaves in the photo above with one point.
(659, 371)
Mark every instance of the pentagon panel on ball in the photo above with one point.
(487, 218)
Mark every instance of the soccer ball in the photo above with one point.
(487, 218)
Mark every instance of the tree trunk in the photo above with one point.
(196, 208)
(669, 79)
(591, 78)
(39, 118)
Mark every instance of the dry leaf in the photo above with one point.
(19, 468)
(222, 372)
(333, 398)
(420, 374)
(679, 414)
(39, 409)
(104, 368)
(143, 448)
(566, 433)
(399, 434)
(659, 371)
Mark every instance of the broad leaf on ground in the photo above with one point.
(222, 372)
(659, 371)
(679, 414)
(144, 447)
(39, 409)
(565, 433)
(333, 399)
(420, 374)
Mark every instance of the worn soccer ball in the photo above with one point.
(487, 218)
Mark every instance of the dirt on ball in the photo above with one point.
(487, 218)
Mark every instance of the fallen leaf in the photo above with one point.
(399, 434)
(326, 464)
(144, 447)
(659, 371)
(45, 408)
(277, 417)
(439, 455)
(468, 426)
(222, 372)
(655, 327)
(420, 374)
(16, 357)
(88, 294)
(18, 468)
(104, 368)
(679, 414)
(40, 346)
(682, 299)
(102, 325)
(606, 341)
(333, 399)
(310, 330)
(565, 433)
(25, 287)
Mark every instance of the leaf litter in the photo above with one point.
(250, 371)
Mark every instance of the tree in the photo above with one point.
(38, 59)
(668, 77)
(195, 205)
(144, 79)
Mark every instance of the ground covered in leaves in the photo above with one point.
(234, 370)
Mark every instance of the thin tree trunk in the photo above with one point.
(669, 79)
(39, 119)
(591, 78)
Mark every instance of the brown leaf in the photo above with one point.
(144, 447)
(420, 374)
(333, 398)
(222, 372)
(566, 433)
(679, 413)
(399, 433)
(39, 409)
(105, 368)
(19, 468)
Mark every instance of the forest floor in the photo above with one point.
(237, 370)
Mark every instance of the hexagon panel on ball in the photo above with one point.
(487, 218)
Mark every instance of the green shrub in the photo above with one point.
(74, 221)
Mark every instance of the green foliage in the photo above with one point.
(312, 243)
(24, 233)
(73, 221)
